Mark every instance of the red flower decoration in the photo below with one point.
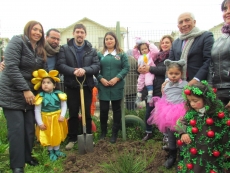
(214, 90)
(187, 91)
(210, 134)
(221, 114)
(209, 121)
(189, 165)
(192, 122)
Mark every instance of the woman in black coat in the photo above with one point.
(23, 55)
(159, 72)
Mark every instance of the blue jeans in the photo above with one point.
(149, 128)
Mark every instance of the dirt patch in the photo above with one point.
(105, 152)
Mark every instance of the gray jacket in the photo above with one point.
(219, 67)
(20, 62)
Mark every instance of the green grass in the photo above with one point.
(47, 166)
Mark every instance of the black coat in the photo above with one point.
(20, 62)
(67, 62)
(159, 72)
(199, 55)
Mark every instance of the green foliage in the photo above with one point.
(134, 132)
(126, 163)
(3, 129)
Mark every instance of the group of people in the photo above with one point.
(29, 89)
(30, 73)
(205, 113)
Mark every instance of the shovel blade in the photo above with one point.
(85, 143)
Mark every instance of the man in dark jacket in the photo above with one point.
(77, 59)
(194, 46)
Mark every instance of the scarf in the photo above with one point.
(161, 56)
(190, 37)
(51, 51)
(226, 29)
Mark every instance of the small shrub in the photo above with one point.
(127, 163)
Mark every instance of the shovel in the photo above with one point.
(85, 141)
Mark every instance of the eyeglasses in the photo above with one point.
(54, 38)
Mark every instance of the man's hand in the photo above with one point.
(185, 138)
(193, 81)
(2, 66)
(79, 72)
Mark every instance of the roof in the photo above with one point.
(87, 19)
(221, 24)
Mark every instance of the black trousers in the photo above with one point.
(104, 112)
(74, 103)
(21, 133)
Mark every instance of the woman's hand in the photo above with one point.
(2, 66)
(113, 81)
(29, 96)
(185, 138)
(42, 127)
(143, 69)
(61, 119)
(104, 82)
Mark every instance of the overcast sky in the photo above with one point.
(136, 14)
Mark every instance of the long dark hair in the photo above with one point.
(117, 46)
(223, 4)
(41, 43)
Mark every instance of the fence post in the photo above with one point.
(118, 34)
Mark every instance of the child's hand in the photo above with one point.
(42, 127)
(228, 106)
(185, 138)
(61, 119)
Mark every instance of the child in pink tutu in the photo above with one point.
(146, 54)
(170, 107)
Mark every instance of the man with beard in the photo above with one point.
(51, 46)
(77, 59)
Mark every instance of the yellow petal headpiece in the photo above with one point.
(40, 74)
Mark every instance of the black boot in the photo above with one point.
(103, 131)
(115, 130)
(113, 139)
(171, 159)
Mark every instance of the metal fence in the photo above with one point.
(131, 79)
(95, 36)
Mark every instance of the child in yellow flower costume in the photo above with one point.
(50, 110)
